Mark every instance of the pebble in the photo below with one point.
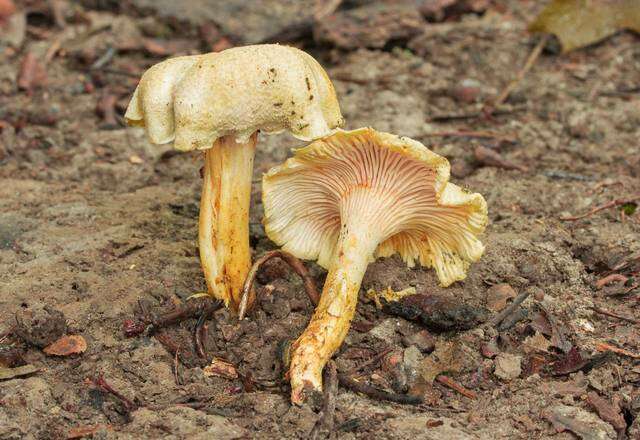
(508, 366)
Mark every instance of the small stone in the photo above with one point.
(422, 340)
(386, 330)
(40, 325)
(508, 366)
(578, 124)
(461, 168)
(467, 91)
(412, 361)
(538, 294)
(584, 424)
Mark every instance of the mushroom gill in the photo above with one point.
(351, 197)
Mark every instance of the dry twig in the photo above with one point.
(450, 383)
(612, 204)
(361, 387)
(371, 361)
(612, 278)
(604, 312)
(193, 308)
(104, 386)
(298, 267)
(495, 322)
(502, 97)
(326, 421)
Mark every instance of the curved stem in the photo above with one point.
(224, 217)
(331, 321)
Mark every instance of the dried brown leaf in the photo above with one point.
(607, 411)
(579, 23)
(446, 357)
(66, 346)
(498, 295)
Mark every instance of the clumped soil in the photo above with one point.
(94, 219)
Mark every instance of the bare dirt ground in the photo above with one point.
(93, 218)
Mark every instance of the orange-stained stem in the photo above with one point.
(331, 321)
(224, 217)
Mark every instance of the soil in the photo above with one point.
(93, 219)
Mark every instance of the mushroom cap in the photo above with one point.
(422, 217)
(194, 100)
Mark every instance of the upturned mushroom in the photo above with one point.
(351, 197)
(217, 102)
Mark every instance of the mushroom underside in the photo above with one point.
(356, 195)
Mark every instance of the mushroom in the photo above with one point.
(351, 197)
(217, 102)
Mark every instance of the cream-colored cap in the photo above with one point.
(402, 192)
(194, 100)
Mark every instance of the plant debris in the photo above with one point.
(579, 23)
(607, 411)
(436, 312)
(221, 368)
(66, 346)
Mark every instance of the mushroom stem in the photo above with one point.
(331, 321)
(224, 217)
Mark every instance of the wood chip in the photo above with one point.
(221, 368)
(66, 346)
(604, 347)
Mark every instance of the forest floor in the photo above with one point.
(93, 219)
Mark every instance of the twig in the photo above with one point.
(361, 387)
(104, 386)
(495, 322)
(502, 112)
(604, 347)
(176, 366)
(324, 8)
(326, 421)
(611, 204)
(293, 262)
(605, 184)
(610, 279)
(510, 138)
(199, 334)
(487, 156)
(614, 315)
(371, 361)
(104, 59)
(535, 53)
(448, 382)
(190, 309)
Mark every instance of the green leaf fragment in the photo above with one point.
(629, 208)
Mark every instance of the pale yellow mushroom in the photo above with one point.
(217, 102)
(351, 197)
